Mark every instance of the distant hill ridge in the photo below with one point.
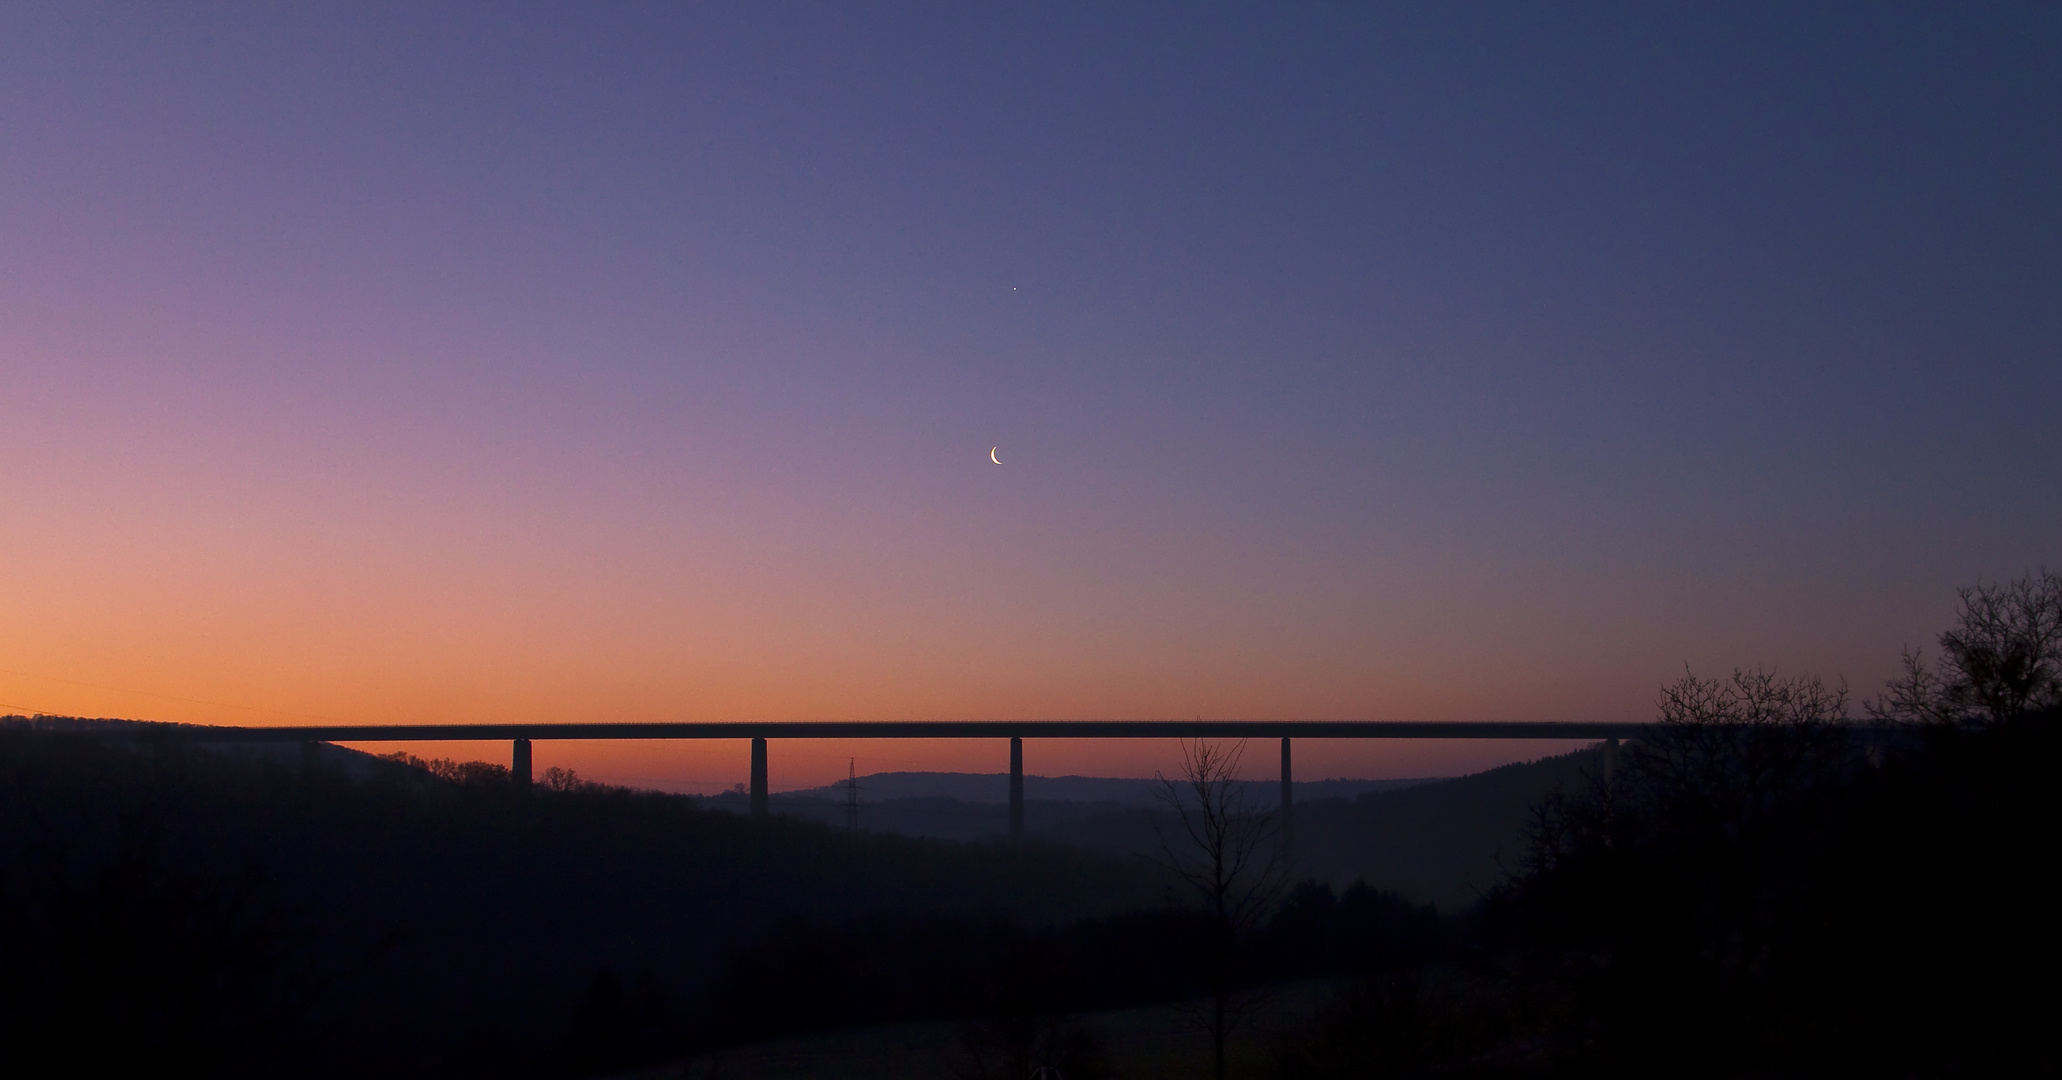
(356, 764)
(1446, 841)
(994, 788)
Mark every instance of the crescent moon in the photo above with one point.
(991, 454)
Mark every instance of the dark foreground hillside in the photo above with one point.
(167, 909)
(1761, 887)
(1761, 893)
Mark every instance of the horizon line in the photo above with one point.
(1572, 730)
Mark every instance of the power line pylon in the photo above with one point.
(851, 795)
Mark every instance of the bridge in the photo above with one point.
(520, 736)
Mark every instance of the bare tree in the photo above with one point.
(2003, 658)
(1226, 856)
(1701, 847)
(1736, 755)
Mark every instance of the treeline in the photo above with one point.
(1789, 897)
(175, 909)
(1747, 898)
(1770, 886)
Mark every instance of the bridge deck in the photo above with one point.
(902, 729)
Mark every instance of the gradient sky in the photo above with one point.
(502, 362)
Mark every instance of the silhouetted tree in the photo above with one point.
(1668, 892)
(1932, 912)
(2002, 658)
(469, 773)
(1226, 856)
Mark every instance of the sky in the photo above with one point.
(373, 363)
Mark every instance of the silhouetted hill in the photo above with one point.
(934, 816)
(974, 806)
(1444, 842)
(460, 922)
(887, 787)
(1438, 841)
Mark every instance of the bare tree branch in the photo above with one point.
(1227, 857)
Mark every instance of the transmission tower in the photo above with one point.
(851, 795)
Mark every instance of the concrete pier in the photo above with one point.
(1016, 786)
(758, 777)
(519, 767)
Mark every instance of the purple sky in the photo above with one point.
(432, 362)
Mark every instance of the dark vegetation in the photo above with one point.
(1765, 885)
(802, 976)
(235, 914)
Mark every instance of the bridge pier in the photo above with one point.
(1288, 805)
(1016, 787)
(519, 767)
(758, 777)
